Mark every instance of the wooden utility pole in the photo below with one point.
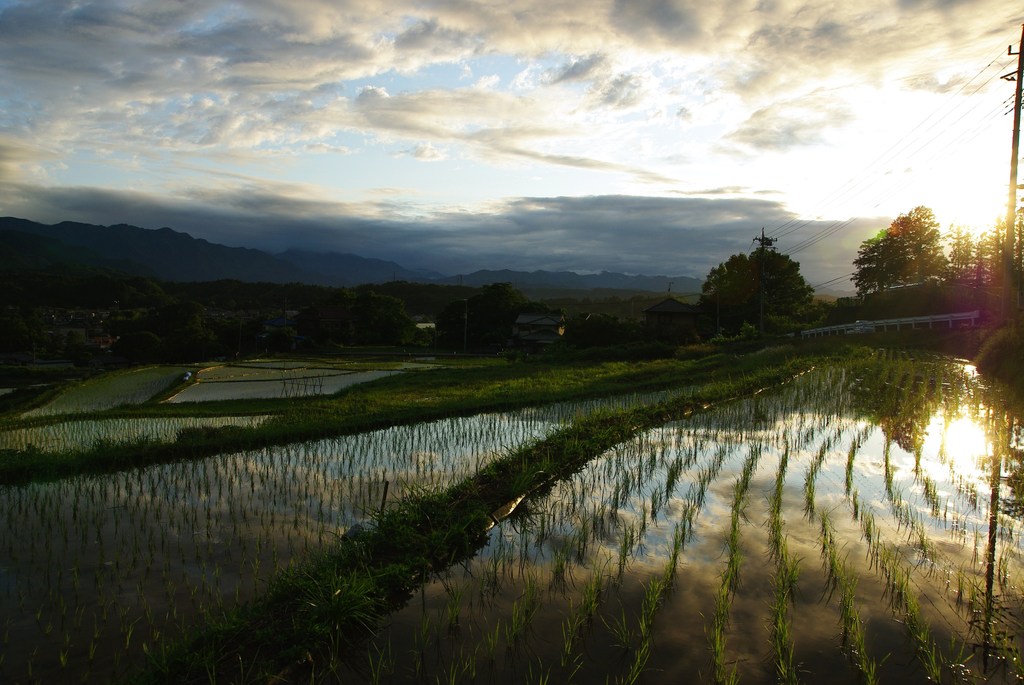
(764, 242)
(1011, 204)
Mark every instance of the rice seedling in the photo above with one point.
(621, 630)
(651, 504)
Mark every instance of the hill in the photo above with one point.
(170, 255)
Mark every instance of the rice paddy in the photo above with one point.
(65, 436)
(272, 379)
(97, 572)
(737, 547)
(853, 525)
(109, 390)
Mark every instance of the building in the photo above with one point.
(672, 320)
(536, 331)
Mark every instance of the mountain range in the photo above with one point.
(170, 255)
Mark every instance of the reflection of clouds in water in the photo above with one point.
(299, 384)
(245, 513)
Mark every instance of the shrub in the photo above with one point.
(1000, 353)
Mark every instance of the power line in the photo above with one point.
(900, 145)
(831, 281)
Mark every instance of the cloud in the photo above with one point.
(16, 157)
(429, 37)
(792, 123)
(579, 69)
(425, 153)
(631, 234)
(662, 22)
(164, 101)
(625, 90)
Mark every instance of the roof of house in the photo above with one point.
(671, 305)
(539, 320)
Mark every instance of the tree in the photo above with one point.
(961, 255)
(731, 291)
(138, 346)
(484, 319)
(381, 320)
(909, 251)
(600, 330)
(182, 328)
(21, 330)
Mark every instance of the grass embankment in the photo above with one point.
(402, 399)
(312, 616)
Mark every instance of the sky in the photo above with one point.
(638, 136)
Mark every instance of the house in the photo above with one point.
(671, 319)
(535, 331)
(277, 324)
(335, 324)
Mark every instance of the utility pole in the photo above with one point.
(1011, 204)
(763, 242)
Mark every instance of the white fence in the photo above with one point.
(951, 320)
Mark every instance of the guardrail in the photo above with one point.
(970, 318)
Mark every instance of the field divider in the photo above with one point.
(375, 406)
(329, 604)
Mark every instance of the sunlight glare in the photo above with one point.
(965, 444)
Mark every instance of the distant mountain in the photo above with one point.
(346, 270)
(170, 255)
(28, 251)
(569, 280)
(164, 253)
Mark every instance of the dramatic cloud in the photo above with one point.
(791, 123)
(379, 125)
(632, 234)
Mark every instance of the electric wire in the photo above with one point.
(963, 137)
(899, 146)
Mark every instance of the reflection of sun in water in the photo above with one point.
(965, 444)
(963, 439)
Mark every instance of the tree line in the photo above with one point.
(165, 321)
(911, 251)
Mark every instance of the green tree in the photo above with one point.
(486, 318)
(381, 320)
(986, 267)
(961, 255)
(909, 251)
(281, 339)
(182, 328)
(731, 291)
(600, 330)
(138, 346)
(20, 330)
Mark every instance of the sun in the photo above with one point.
(976, 207)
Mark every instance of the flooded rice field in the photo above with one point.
(96, 572)
(114, 389)
(270, 380)
(854, 528)
(64, 436)
(790, 537)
